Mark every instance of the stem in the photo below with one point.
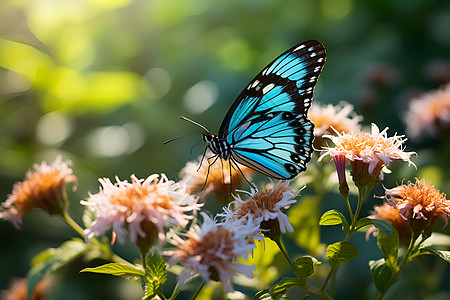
(317, 291)
(73, 224)
(405, 259)
(198, 291)
(143, 262)
(283, 251)
(349, 207)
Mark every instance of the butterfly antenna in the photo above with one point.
(193, 122)
(180, 136)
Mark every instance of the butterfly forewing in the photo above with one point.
(267, 128)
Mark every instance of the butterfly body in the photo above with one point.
(267, 128)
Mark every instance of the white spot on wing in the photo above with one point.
(299, 47)
(268, 87)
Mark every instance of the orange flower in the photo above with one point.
(18, 290)
(330, 119)
(210, 249)
(43, 187)
(368, 153)
(428, 114)
(421, 204)
(390, 214)
(144, 207)
(264, 209)
(217, 177)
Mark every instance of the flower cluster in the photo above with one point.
(264, 209)
(367, 152)
(329, 119)
(421, 204)
(428, 114)
(217, 178)
(43, 187)
(143, 207)
(210, 250)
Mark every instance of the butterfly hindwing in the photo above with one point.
(267, 128)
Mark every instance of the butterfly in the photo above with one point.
(267, 128)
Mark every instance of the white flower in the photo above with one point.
(210, 249)
(375, 149)
(428, 113)
(136, 204)
(262, 207)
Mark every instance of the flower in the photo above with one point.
(213, 178)
(421, 204)
(143, 207)
(210, 249)
(265, 209)
(43, 187)
(390, 214)
(428, 114)
(368, 153)
(18, 290)
(330, 119)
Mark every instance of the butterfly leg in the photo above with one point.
(236, 167)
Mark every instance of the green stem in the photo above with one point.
(73, 224)
(405, 259)
(198, 291)
(317, 291)
(143, 262)
(349, 207)
(283, 251)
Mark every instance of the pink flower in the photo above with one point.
(43, 187)
(140, 206)
(210, 249)
(428, 114)
(264, 209)
(420, 203)
(368, 153)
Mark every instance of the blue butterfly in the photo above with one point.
(267, 127)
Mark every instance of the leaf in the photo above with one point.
(437, 240)
(303, 267)
(443, 254)
(381, 274)
(278, 291)
(341, 252)
(52, 259)
(155, 275)
(363, 222)
(116, 269)
(389, 246)
(333, 217)
(383, 226)
(303, 217)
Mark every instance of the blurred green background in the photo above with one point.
(104, 82)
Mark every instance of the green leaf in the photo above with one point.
(381, 274)
(443, 254)
(52, 259)
(303, 267)
(155, 275)
(363, 222)
(437, 241)
(333, 217)
(116, 269)
(278, 291)
(341, 252)
(389, 246)
(383, 226)
(303, 217)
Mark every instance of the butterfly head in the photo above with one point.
(216, 145)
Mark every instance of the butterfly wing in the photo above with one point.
(267, 127)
